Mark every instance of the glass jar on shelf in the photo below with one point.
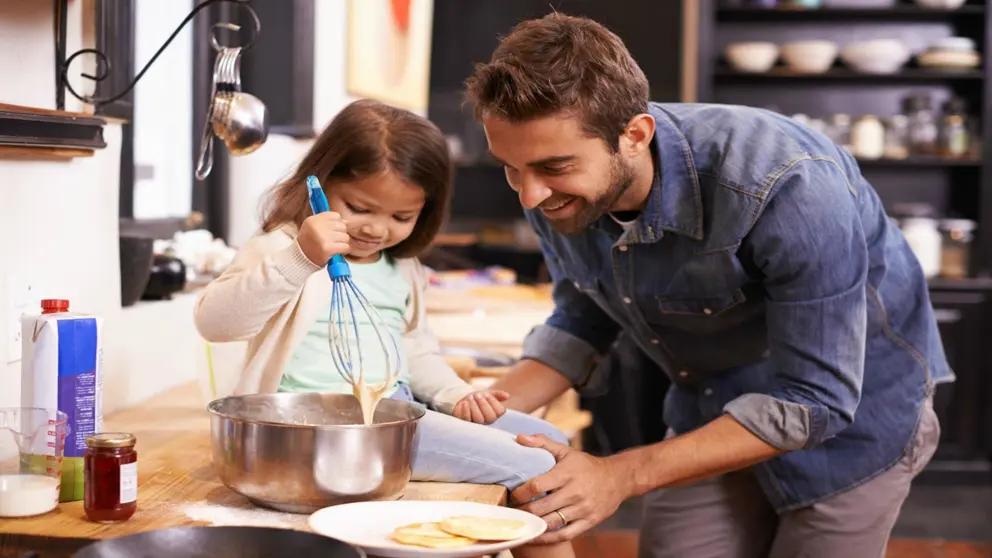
(896, 137)
(868, 137)
(838, 129)
(920, 227)
(954, 133)
(957, 235)
(922, 130)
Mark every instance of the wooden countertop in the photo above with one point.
(177, 485)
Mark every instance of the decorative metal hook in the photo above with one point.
(103, 63)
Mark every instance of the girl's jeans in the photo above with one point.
(453, 450)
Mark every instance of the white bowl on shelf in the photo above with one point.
(876, 56)
(949, 60)
(809, 57)
(751, 57)
(941, 4)
(953, 44)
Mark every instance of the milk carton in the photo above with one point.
(61, 367)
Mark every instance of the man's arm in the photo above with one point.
(531, 385)
(810, 247)
(564, 350)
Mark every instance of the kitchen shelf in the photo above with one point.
(725, 73)
(917, 161)
(969, 284)
(897, 13)
(68, 133)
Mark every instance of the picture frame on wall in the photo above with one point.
(389, 51)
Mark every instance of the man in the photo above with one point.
(747, 257)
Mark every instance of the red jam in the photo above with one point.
(110, 469)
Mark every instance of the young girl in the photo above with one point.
(387, 176)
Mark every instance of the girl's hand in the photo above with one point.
(322, 236)
(483, 407)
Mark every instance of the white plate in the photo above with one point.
(369, 524)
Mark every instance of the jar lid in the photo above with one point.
(111, 440)
(56, 304)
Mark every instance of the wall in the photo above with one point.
(163, 114)
(59, 227)
(252, 175)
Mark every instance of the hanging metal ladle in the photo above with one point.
(239, 119)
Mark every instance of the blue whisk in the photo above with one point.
(343, 322)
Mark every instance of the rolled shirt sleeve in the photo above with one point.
(810, 247)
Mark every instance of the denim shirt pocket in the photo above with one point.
(699, 314)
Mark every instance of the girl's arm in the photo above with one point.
(432, 379)
(266, 273)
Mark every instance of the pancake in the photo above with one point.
(484, 528)
(429, 535)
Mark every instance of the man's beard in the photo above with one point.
(621, 177)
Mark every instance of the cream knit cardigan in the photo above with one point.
(271, 294)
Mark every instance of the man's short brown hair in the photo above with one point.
(562, 63)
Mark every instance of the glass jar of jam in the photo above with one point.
(110, 468)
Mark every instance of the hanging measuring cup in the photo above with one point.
(31, 445)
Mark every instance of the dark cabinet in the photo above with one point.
(963, 406)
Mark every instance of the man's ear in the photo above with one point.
(637, 136)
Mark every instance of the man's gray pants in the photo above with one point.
(729, 517)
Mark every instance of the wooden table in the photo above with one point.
(177, 485)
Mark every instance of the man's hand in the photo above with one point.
(583, 491)
(483, 407)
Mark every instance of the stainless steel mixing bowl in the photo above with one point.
(299, 452)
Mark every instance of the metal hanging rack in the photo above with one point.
(103, 62)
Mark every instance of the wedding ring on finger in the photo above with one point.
(564, 521)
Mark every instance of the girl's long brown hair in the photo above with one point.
(365, 139)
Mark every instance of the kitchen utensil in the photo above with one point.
(136, 253)
(220, 542)
(751, 57)
(167, 277)
(31, 444)
(239, 119)
(299, 452)
(877, 56)
(368, 525)
(809, 57)
(349, 307)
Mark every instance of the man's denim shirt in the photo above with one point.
(764, 277)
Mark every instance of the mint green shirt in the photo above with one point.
(311, 368)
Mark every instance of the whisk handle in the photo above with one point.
(338, 266)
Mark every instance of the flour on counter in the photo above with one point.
(221, 516)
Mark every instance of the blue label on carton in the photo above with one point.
(77, 380)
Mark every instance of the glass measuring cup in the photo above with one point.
(31, 445)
